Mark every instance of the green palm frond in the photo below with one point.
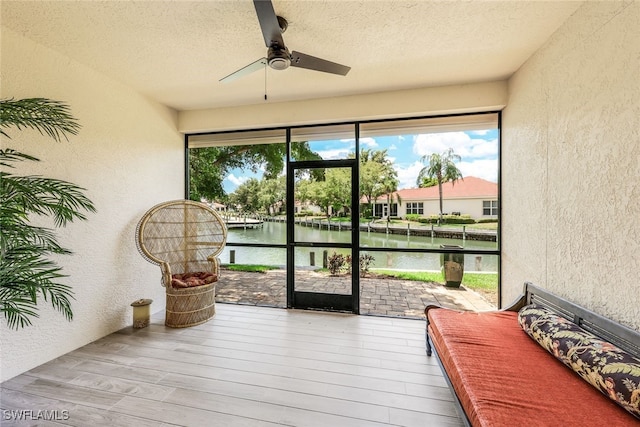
(19, 234)
(8, 155)
(26, 275)
(52, 118)
(46, 196)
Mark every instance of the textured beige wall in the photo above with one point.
(129, 156)
(571, 164)
(477, 97)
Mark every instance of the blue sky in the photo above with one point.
(478, 150)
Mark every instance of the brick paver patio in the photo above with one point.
(378, 296)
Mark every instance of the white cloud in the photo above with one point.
(338, 153)
(364, 142)
(485, 169)
(461, 142)
(368, 142)
(236, 180)
(408, 175)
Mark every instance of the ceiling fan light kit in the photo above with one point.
(278, 56)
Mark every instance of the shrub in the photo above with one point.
(336, 262)
(365, 263)
(452, 219)
(413, 217)
(486, 220)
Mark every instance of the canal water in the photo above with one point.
(275, 233)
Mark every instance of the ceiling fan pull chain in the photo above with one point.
(265, 80)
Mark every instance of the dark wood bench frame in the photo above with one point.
(608, 330)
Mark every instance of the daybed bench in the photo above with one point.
(543, 361)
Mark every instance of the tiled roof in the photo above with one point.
(469, 187)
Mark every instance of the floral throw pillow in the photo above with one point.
(608, 368)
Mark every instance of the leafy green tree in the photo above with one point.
(442, 168)
(331, 194)
(209, 166)
(377, 176)
(428, 182)
(246, 198)
(26, 272)
(273, 193)
(338, 184)
(205, 176)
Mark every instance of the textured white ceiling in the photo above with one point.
(176, 51)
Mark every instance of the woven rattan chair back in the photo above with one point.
(182, 236)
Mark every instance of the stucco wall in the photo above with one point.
(464, 98)
(571, 164)
(129, 156)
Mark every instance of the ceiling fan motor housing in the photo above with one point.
(278, 58)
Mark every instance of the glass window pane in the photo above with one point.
(323, 200)
(323, 270)
(239, 284)
(333, 142)
(403, 283)
(402, 161)
(242, 175)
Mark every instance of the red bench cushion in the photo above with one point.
(503, 378)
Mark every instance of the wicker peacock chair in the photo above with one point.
(183, 237)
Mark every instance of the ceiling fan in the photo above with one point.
(278, 56)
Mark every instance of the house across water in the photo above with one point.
(471, 196)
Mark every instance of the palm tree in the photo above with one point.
(26, 273)
(442, 168)
(389, 186)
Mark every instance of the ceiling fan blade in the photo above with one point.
(268, 23)
(254, 66)
(302, 60)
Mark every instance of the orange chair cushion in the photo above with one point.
(189, 280)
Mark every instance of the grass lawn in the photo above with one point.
(255, 268)
(487, 281)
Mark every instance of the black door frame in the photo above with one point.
(315, 300)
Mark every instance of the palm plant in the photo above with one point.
(442, 168)
(26, 274)
(389, 187)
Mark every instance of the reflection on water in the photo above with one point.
(275, 233)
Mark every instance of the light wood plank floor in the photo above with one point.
(248, 366)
